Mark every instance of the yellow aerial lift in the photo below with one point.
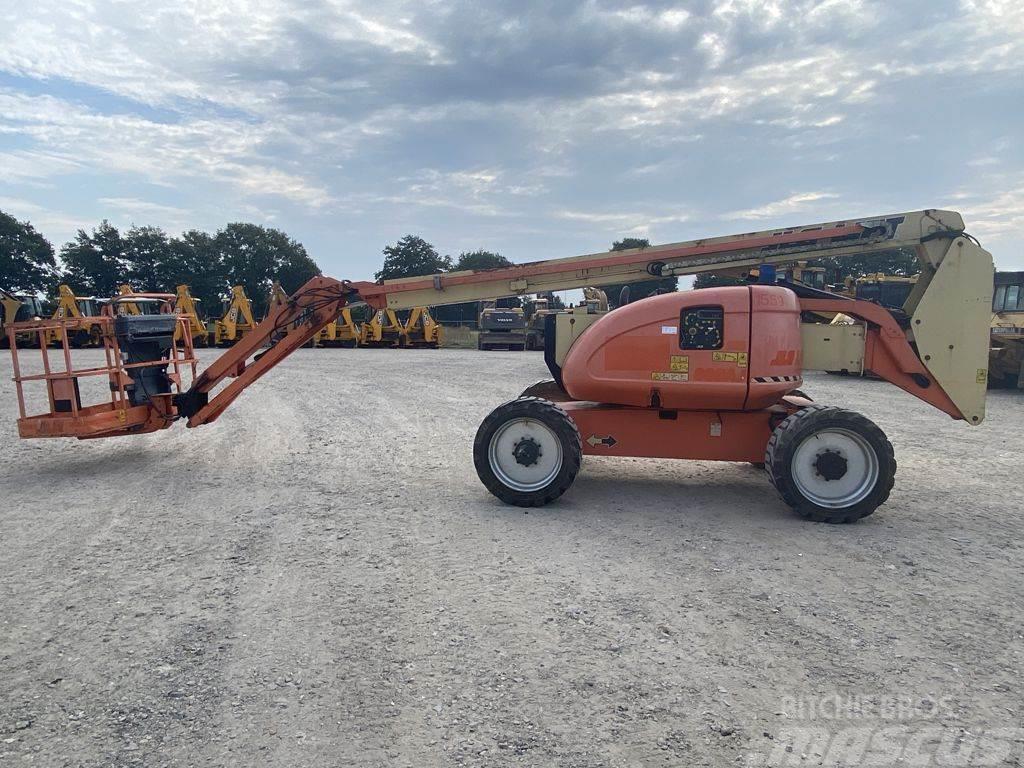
(187, 306)
(384, 329)
(237, 320)
(69, 305)
(421, 330)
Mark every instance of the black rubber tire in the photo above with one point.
(558, 421)
(788, 436)
(547, 389)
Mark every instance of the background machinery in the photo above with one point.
(342, 332)
(421, 330)
(16, 307)
(501, 327)
(188, 307)
(710, 374)
(1006, 353)
(84, 334)
(236, 322)
(384, 329)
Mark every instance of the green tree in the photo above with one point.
(26, 257)
(149, 258)
(711, 280)
(95, 264)
(640, 289)
(412, 256)
(255, 256)
(898, 262)
(195, 261)
(480, 260)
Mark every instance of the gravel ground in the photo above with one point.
(320, 579)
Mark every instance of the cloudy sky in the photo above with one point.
(535, 128)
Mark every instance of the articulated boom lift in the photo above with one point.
(711, 374)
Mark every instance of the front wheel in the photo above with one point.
(527, 452)
(830, 465)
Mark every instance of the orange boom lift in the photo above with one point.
(710, 374)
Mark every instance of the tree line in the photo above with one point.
(95, 263)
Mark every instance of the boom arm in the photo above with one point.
(937, 237)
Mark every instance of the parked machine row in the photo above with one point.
(384, 328)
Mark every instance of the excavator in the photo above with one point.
(237, 321)
(711, 374)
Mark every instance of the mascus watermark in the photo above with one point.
(884, 746)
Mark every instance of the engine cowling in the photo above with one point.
(728, 348)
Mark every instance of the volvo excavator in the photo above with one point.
(710, 374)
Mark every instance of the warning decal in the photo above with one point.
(659, 376)
(679, 363)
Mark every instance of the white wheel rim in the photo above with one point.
(834, 449)
(538, 446)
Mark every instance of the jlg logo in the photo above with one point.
(769, 300)
(784, 357)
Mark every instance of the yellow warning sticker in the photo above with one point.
(680, 363)
(660, 376)
(982, 376)
(723, 357)
(741, 359)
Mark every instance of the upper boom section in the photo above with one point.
(913, 230)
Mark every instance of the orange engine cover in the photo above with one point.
(732, 348)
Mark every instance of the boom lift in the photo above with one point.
(237, 320)
(709, 374)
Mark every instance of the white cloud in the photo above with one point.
(797, 203)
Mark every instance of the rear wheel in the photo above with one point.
(830, 465)
(527, 452)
